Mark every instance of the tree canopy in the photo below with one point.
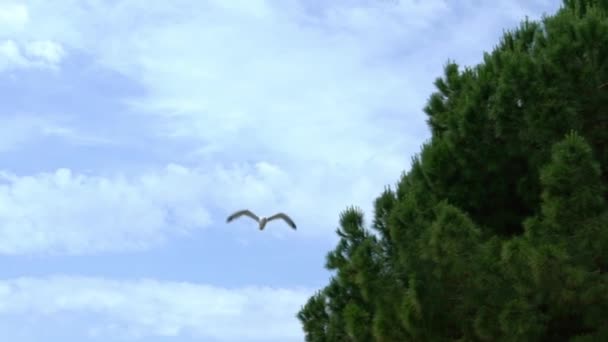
(499, 230)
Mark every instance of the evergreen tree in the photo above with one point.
(315, 318)
(499, 230)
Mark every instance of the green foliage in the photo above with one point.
(572, 188)
(315, 318)
(499, 230)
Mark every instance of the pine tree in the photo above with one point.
(315, 318)
(499, 230)
(569, 238)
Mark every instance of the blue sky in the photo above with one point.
(129, 130)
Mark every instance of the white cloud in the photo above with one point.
(150, 308)
(67, 213)
(384, 18)
(10, 55)
(13, 17)
(48, 51)
(19, 51)
(62, 212)
(35, 54)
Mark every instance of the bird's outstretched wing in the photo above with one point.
(241, 213)
(284, 217)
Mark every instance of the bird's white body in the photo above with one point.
(262, 221)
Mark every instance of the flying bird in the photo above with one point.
(262, 221)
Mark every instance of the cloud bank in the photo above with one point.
(148, 308)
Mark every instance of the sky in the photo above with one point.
(130, 130)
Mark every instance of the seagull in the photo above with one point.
(261, 220)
